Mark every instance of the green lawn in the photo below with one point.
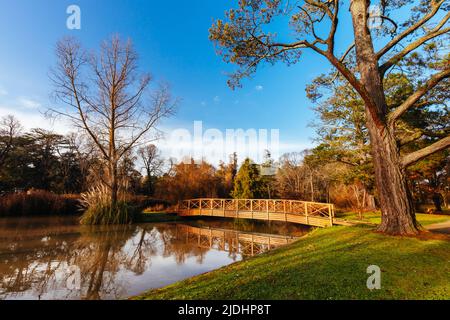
(328, 264)
(375, 217)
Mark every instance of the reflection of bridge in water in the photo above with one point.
(232, 241)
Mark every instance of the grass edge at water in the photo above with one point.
(327, 264)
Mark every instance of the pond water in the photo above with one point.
(56, 258)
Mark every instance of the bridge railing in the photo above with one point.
(305, 208)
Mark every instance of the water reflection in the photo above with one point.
(232, 241)
(42, 258)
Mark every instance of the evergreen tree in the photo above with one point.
(247, 184)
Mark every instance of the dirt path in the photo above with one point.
(443, 227)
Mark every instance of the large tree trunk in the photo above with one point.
(395, 199)
(396, 203)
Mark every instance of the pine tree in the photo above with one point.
(247, 184)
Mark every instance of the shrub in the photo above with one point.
(104, 214)
(99, 210)
(38, 202)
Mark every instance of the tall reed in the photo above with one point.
(98, 209)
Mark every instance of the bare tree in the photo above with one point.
(290, 176)
(151, 159)
(109, 100)
(246, 39)
(9, 128)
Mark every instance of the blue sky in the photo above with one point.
(171, 38)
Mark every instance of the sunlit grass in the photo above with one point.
(328, 264)
(375, 217)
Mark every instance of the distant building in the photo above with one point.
(268, 170)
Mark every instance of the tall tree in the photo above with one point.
(74, 164)
(187, 180)
(290, 176)
(44, 158)
(247, 40)
(10, 127)
(227, 173)
(247, 184)
(107, 98)
(153, 164)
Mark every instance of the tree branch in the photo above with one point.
(357, 85)
(410, 30)
(412, 158)
(416, 96)
(411, 47)
(333, 29)
(349, 49)
(311, 22)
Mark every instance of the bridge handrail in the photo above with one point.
(286, 206)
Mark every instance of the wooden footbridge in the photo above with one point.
(302, 212)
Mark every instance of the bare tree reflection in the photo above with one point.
(35, 255)
(144, 249)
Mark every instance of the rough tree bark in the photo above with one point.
(396, 203)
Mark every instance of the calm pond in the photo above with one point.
(56, 258)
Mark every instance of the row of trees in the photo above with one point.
(313, 175)
(40, 159)
(335, 171)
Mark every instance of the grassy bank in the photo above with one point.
(375, 217)
(328, 264)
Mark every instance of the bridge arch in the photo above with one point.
(302, 212)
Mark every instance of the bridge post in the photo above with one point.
(189, 207)
(330, 213)
(223, 207)
(267, 209)
(306, 212)
(251, 207)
